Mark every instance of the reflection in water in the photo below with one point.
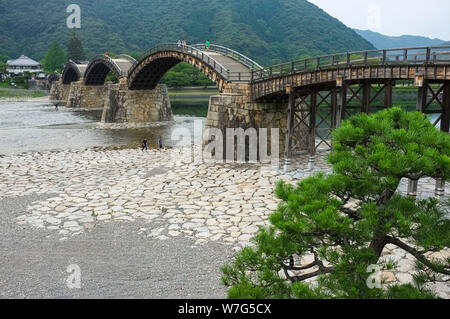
(199, 109)
(28, 126)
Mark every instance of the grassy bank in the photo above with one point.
(6, 93)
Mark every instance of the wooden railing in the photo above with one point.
(403, 56)
(252, 65)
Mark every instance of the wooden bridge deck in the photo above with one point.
(239, 71)
(324, 79)
(377, 66)
(123, 64)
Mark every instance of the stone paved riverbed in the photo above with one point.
(79, 193)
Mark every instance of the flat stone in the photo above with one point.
(174, 233)
(404, 278)
(250, 230)
(124, 218)
(203, 235)
(245, 237)
(53, 221)
(70, 224)
(388, 277)
(405, 265)
(216, 237)
(104, 217)
(87, 220)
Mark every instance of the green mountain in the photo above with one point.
(381, 41)
(268, 31)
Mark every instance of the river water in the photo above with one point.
(37, 126)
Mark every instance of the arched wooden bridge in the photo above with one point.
(220, 64)
(99, 67)
(73, 71)
(320, 91)
(324, 90)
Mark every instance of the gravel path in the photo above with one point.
(115, 262)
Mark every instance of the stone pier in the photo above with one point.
(122, 105)
(59, 92)
(234, 109)
(86, 96)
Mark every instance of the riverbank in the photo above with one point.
(10, 94)
(104, 204)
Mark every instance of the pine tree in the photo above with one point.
(4, 58)
(333, 227)
(55, 59)
(75, 49)
(3, 65)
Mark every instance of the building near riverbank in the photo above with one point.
(23, 64)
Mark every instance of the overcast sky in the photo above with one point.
(430, 18)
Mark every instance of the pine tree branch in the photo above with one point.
(312, 275)
(353, 214)
(316, 263)
(418, 255)
(313, 264)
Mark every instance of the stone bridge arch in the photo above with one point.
(73, 72)
(142, 98)
(101, 65)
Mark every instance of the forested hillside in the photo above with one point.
(269, 31)
(381, 41)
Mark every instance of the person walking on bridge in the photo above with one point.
(207, 43)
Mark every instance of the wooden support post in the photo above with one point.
(422, 94)
(334, 108)
(290, 125)
(312, 124)
(312, 129)
(366, 98)
(341, 104)
(445, 120)
(388, 94)
(445, 127)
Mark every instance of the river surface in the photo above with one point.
(37, 126)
